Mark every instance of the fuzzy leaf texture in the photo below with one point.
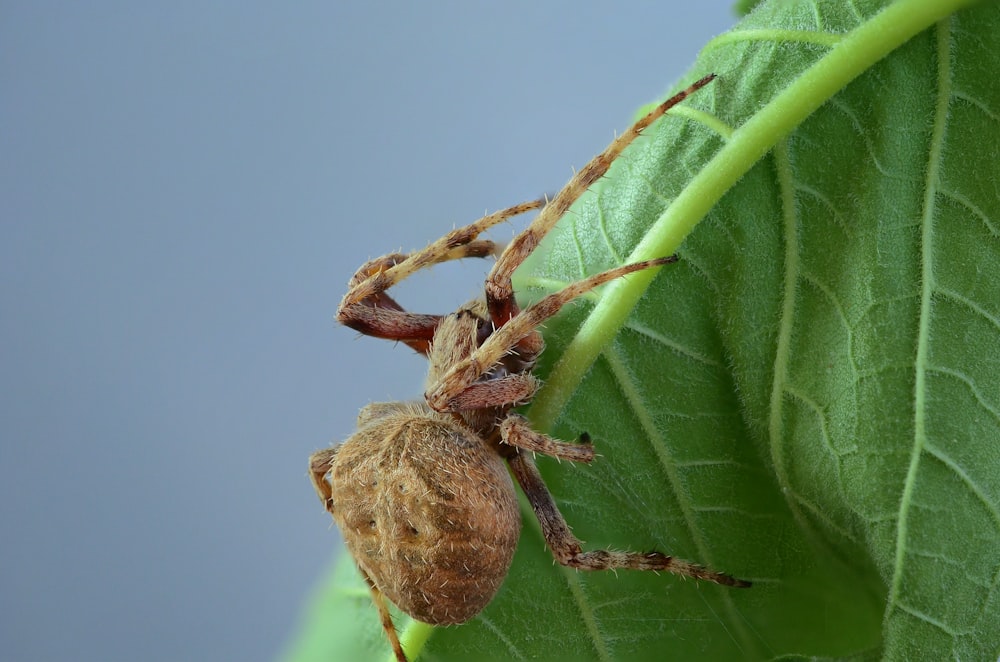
(809, 399)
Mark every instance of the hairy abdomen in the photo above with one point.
(429, 513)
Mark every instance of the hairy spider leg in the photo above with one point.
(516, 431)
(320, 463)
(375, 277)
(499, 288)
(369, 309)
(446, 395)
(379, 315)
(319, 466)
(385, 617)
(567, 548)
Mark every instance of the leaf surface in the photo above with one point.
(809, 399)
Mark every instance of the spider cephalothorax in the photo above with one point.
(422, 492)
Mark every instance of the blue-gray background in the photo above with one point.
(184, 190)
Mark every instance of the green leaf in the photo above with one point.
(809, 399)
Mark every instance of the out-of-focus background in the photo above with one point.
(185, 188)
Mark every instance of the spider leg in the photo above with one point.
(378, 315)
(385, 617)
(516, 431)
(367, 308)
(508, 390)
(464, 374)
(379, 275)
(566, 547)
(499, 289)
(320, 464)
(390, 323)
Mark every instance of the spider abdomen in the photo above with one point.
(427, 509)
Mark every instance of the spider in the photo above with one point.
(422, 492)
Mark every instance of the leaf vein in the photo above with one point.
(975, 307)
(869, 145)
(981, 105)
(961, 566)
(782, 352)
(934, 156)
(927, 618)
(827, 39)
(972, 207)
(977, 394)
(513, 651)
(673, 479)
(578, 246)
(838, 218)
(973, 486)
(820, 514)
(644, 330)
(835, 302)
(602, 224)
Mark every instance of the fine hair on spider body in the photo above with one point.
(422, 492)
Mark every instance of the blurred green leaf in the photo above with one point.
(810, 399)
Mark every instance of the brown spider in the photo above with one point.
(421, 492)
